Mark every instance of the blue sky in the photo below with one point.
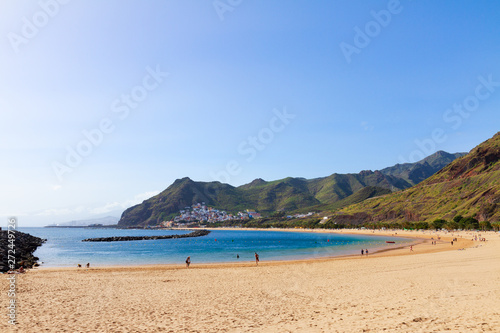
(230, 91)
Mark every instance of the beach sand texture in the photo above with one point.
(398, 291)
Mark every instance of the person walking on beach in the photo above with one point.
(411, 248)
(362, 251)
(188, 262)
(256, 259)
(366, 251)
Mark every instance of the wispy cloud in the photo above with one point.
(56, 187)
(367, 126)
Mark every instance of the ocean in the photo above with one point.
(64, 246)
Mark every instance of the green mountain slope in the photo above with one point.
(183, 192)
(289, 194)
(469, 186)
(336, 187)
(415, 173)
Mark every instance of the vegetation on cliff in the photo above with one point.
(289, 194)
(469, 186)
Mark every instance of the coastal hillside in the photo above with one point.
(415, 173)
(289, 194)
(469, 186)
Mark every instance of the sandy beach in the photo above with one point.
(435, 288)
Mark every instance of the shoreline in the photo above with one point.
(393, 291)
(420, 245)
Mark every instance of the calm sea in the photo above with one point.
(64, 246)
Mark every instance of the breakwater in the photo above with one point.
(20, 247)
(197, 233)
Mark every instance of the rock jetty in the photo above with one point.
(24, 246)
(197, 233)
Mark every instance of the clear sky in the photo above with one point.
(105, 103)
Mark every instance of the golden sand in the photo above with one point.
(435, 288)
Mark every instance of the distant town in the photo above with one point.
(200, 214)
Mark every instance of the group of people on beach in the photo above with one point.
(87, 266)
(364, 251)
(188, 259)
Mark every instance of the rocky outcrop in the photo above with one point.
(20, 250)
(197, 233)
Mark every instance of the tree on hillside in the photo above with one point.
(470, 223)
(278, 214)
(459, 221)
(485, 225)
(451, 225)
(438, 224)
(496, 225)
(421, 225)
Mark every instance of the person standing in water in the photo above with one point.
(256, 259)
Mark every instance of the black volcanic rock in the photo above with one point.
(196, 233)
(24, 246)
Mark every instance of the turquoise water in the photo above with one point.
(64, 246)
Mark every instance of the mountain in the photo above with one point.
(289, 194)
(469, 186)
(414, 173)
(108, 220)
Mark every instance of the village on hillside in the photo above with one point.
(200, 213)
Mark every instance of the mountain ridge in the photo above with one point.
(414, 173)
(468, 186)
(289, 194)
